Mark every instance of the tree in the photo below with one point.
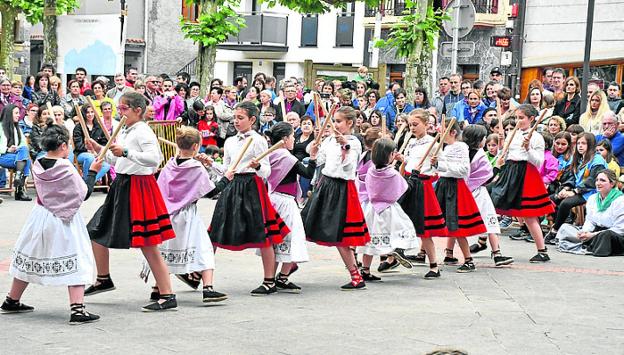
(218, 20)
(34, 12)
(414, 39)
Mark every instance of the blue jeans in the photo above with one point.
(85, 160)
(9, 160)
(3, 179)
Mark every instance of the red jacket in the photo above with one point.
(209, 131)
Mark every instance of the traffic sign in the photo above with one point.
(467, 15)
(465, 49)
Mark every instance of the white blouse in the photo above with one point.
(535, 154)
(259, 145)
(330, 154)
(454, 161)
(144, 155)
(415, 150)
(612, 218)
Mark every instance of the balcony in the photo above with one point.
(489, 12)
(265, 32)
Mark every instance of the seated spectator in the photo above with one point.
(74, 97)
(556, 124)
(81, 147)
(43, 93)
(395, 103)
(610, 132)
(579, 185)
(99, 90)
(550, 166)
(570, 106)
(602, 233)
(37, 132)
(591, 120)
(575, 130)
(604, 149)
(14, 150)
(375, 119)
(26, 124)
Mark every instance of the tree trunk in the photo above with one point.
(6, 39)
(206, 56)
(50, 43)
(418, 65)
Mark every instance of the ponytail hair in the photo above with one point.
(279, 131)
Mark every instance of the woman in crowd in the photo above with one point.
(534, 98)
(556, 124)
(223, 112)
(605, 149)
(43, 93)
(14, 150)
(580, 184)
(602, 233)
(372, 97)
(36, 133)
(26, 124)
(99, 92)
(194, 89)
(265, 103)
(421, 99)
(490, 94)
(375, 118)
(360, 94)
(300, 150)
(183, 92)
(95, 132)
(392, 107)
(469, 110)
(570, 106)
(591, 120)
(56, 85)
(74, 97)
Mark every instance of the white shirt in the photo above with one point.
(415, 150)
(454, 161)
(330, 154)
(144, 155)
(535, 154)
(612, 218)
(259, 145)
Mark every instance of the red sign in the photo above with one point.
(500, 41)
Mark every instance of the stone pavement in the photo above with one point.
(572, 305)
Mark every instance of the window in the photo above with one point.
(601, 75)
(242, 69)
(470, 71)
(190, 12)
(309, 30)
(344, 26)
(279, 71)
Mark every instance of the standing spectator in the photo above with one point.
(119, 89)
(265, 103)
(466, 87)
(73, 97)
(547, 79)
(8, 98)
(470, 109)
(558, 77)
(395, 107)
(443, 89)
(208, 128)
(496, 75)
(614, 98)
(295, 121)
(360, 94)
(151, 88)
(421, 99)
(48, 69)
(490, 93)
(454, 94)
(570, 106)
(291, 103)
(610, 131)
(507, 103)
(183, 91)
(193, 96)
(83, 156)
(241, 87)
(43, 93)
(81, 77)
(270, 85)
(362, 74)
(183, 77)
(224, 112)
(591, 120)
(29, 87)
(132, 74)
(216, 83)
(169, 105)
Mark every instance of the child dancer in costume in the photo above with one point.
(334, 216)
(134, 213)
(390, 227)
(183, 181)
(244, 217)
(53, 248)
(481, 172)
(519, 191)
(460, 210)
(283, 190)
(420, 202)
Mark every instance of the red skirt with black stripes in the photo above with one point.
(133, 215)
(334, 216)
(461, 212)
(244, 216)
(520, 191)
(421, 205)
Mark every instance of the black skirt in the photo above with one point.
(244, 216)
(461, 213)
(334, 215)
(421, 205)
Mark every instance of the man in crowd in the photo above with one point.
(183, 78)
(591, 89)
(81, 77)
(613, 97)
(610, 132)
(496, 75)
(151, 88)
(291, 104)
(241, 87)
(132, 74)
(3, 74)
(119, 89)
(547, 79)
(443, 89)
(558, 76)
(48, 69)
(454, 94)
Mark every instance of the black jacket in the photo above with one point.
(95, 133)
(573, 113)
(297, 106)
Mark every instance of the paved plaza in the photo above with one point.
(572, 305)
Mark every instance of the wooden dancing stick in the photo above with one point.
(98, 118)
(273, 148)
(406, 140)
(317, 111)
(234, 166)
(283, 106)
(328, 122)
(508, 143)
(49, 106)
(398, 134)
(167, 142)
(82, 122)
(384, 127)
(446, 132)
(424, 157)
(537, 123)
(110, 141)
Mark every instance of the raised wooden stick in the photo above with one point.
(398, 134)
(384, 127)
(51, 112)
(408, 136)
(508, 143)
(98, 118)
(317, 112)
(328, 121)
(234, 166)
(167, 142)
(424, 157)
(537, 123)
(446, 132)
(273, 148)
(82, 122)
(110, 141)
(283, 106)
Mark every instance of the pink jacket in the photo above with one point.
(176, 107)
(550, 168)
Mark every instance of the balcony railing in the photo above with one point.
(264, 32)
(481, 6)
(396, 7)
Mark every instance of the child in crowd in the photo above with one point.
(244, 216)
(208, 128)
(390, 228)
(550, 167)
(183, 181)
(574, 130)
(334, 215)
(604, 148)
(53, 248)
(491, 144)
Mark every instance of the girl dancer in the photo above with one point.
(390, 227)
(283, 190)
(53, 248)
(481, 173)
(420, 202)
(134, 213)
(183, 181)
(460, 210)
(244, 217)
(334, 216)
(519, 191)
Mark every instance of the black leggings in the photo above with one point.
(564, 207)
